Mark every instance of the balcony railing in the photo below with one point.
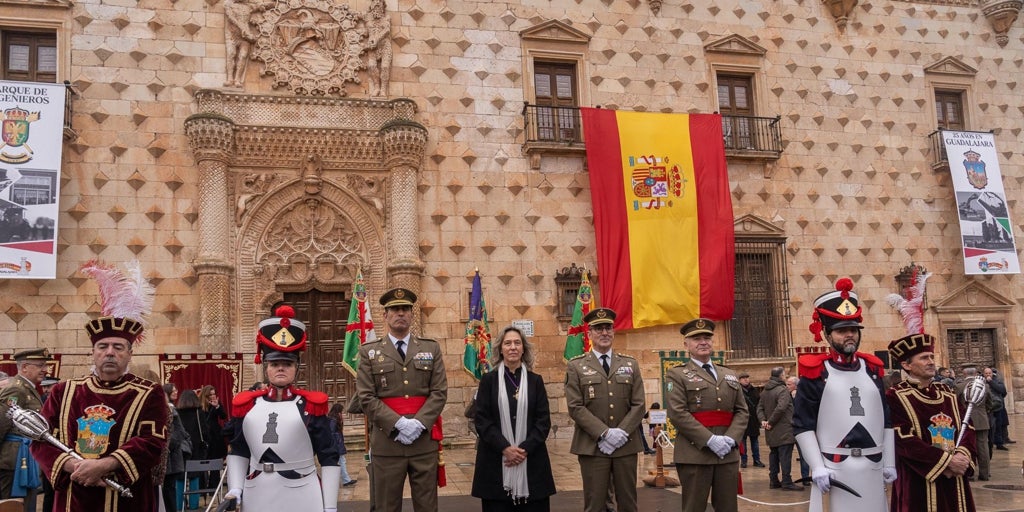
(937, 146)
(751, 134)
(69, 93)
(558, 125)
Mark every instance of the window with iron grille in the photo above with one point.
(949, 109)
(555, 91)
(971, 347)
(567, 284)
(760, 324)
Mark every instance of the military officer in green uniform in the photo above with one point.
(16, 464)
(605, 395)
(402, 387)
(706, 405)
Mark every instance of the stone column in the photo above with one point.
(404, 147)
(211, 137)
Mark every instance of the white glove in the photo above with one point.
(236, 494)
(719, 446)
(402, 438)
(403, 425)
(821, 477)
(888, 475)
(617, 437)
(419, 428)
(605, 446)
(731, 441)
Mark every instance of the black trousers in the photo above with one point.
(781, 457)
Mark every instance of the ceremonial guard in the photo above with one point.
(706, 404)
(935, 447)
(402, 388)
(840, 415)
(278, 430)
(19, 473)
(605, 396)
(114, 420)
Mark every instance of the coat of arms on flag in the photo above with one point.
(359, 328)
(476, 359)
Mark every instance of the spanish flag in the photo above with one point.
(662, 215)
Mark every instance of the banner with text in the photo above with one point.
(31, 139)
(985, 227)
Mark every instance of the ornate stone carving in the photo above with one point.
(841, 10)
(369, 188)
(240, 35)
(655, 6)
(1001, 14)
(210, 136)
(405, 143)
(378, 48)
(312, 174)
(306, 233)
(255, 185)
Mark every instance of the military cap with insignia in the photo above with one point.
(600, 316)
(33, 354)
(397, 297)
(280, 338)
(836, 309)
(697, 326)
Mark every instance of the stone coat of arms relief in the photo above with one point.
(309, 47)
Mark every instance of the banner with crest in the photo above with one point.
(986, 231)
(31, 139)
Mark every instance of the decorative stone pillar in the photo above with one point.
(404, 144)
(211, 137)
(1001, 14)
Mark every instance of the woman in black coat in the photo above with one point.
(509, 475)
(191, 417)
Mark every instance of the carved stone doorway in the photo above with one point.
(325, 315)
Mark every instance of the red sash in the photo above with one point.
(412, 405)
(713, 418)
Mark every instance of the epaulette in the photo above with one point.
(426, 339)
(811, 365)
(316, 401)
(874, 363)
(620, 354)
(243, 402)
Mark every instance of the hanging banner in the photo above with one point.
(31, 139)
(985, 228)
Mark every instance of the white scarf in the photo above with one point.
(513, 478)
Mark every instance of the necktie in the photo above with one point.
(707, 368)
(604, 363)
(401, 351)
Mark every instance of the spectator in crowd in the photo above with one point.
(979, 420)
(213, 416)
(337, 417)
(191, 417)
(179, 447)
(946, 376)
(775, 410)
(998, 419)
(892, 378)
(258, 385)
(513, 471)
(805, 470)
(652, 426)
(753, 397)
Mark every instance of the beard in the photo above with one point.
(844, 349)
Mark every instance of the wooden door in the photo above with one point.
(325, 315)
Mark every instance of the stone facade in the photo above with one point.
(390, 136)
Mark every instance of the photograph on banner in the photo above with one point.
(31, 139)
(985, 228)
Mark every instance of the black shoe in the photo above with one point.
(984, 478)
(743, 464)
(758, 464)
(807, 483)
(1011, 441)
(350, 483)
(774, 485)
(1001, 447)
(792, 487)
(650, 452)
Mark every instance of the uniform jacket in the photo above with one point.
(776, 408)
(690, 389)
(487, 477)
(136, 439)
(597, 402)
(24, 394)
(382, 374)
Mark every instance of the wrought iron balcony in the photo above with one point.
(557, 130)
(938, 150)
(752, 137)
(69, 93)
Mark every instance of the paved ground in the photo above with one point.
(1004, 493)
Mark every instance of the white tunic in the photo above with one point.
(278, 426)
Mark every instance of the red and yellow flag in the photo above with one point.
(662, 215)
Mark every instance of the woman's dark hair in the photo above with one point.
(335, 413)
(188, 399)
(168, 390)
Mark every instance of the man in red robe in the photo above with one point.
(115, 421)
(928, 417)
